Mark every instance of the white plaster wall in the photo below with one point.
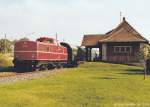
(141, 45)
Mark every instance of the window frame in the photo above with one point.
(120, 48)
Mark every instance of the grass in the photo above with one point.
(90, 85)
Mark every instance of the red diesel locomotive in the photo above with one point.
(44, 53)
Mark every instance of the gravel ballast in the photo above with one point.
(12, 76)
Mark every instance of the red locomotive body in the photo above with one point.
(44, 49)
(43, 53)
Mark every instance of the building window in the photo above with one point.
(128, 49)
(122, 49)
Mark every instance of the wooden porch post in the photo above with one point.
(86, 53)
(90, 54)
(100, 56)
(104, 52)
(100, 52)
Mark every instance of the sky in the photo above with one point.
(70, 19)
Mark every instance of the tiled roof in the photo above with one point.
(122, 33)
(92, 39)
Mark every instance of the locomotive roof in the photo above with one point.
(44, 38)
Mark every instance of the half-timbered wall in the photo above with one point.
(104, 52)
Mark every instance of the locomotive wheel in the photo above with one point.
(50, 66)
(59, 65)
(43, 67)
(33, 67)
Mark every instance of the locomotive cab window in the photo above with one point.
(51, 41)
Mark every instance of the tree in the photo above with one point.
(14, 41)
(144, 56)
(5, 46)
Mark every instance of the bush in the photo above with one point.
(5, 60)
(5, 46)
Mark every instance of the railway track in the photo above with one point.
(7, 77)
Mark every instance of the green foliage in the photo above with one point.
(5, 46)
(90, 85)
(6, 60)
(145, 52)
(14, 41)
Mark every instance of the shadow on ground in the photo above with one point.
(133, 72)
(104, 78)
